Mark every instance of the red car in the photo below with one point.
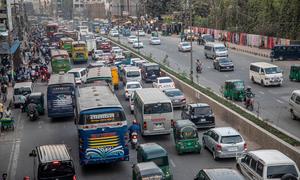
(105, 47)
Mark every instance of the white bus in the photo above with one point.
(154, 111)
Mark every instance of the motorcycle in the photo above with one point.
(249, 103)
(32, 115)
(134, 140)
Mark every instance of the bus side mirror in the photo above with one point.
(33, 153)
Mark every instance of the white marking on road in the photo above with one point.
(261, 92)
(172, 162)
(15, 159)
(279, 101)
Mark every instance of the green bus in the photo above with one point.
(66, 44)
(60, 61)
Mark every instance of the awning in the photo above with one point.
(4, 47)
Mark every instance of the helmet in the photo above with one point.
(134, 121)
(248, 88)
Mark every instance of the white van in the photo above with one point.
(213, 50)
(295, 104)
(132, 73)
(265, 74)
(267, 164)
(21, 88)
(80, 75)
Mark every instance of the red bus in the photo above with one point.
(51, 28)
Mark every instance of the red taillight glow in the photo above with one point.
(218, 147)
(74, 177)
(245, 147)
(55, 162)
(145, 125)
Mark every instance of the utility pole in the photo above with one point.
(138, 26)
(191, 40)
(119, 6)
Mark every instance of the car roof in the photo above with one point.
(54, 152)
(166, 77)
(183, 123)
(172, 89)
(148, 168)
(226, 131)
(263, 64)
(76, 70)
(223, 174)
(199, 105)
(296, 92)
(23, 84)
(133, 82)
(153, 150)
(214, 44)
(272, 156)
(150, 64)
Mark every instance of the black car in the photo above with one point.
(200, 114)
(223, 64)
(219, 174)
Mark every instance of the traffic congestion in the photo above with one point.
(99, 111)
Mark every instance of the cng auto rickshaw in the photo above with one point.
(147, 170)
(234, 90)
(115, 77)
(38, 99)
(295, 72)
(186, 137)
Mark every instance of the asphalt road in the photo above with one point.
(271, 103)
(16, 146)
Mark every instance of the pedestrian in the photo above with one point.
(22, 100)
(4, 92)
(7, 112)
(1, 110)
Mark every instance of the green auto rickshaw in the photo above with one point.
(186, 137)
(234, 90)
(38, 99)
(295, 72)
(147, 170)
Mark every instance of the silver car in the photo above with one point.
(177, 97)
(224, 142)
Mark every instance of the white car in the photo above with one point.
(137, 44)
(114, 33)
(97, 54)
(154, 41)
(130, 87)
(130, 39)
(184, 46)
(102, 31)
(115, 48)
(140, 33)
(163, 83)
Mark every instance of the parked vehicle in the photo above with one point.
(184, 47)
(219, 174)
(295, 72)
(38, 99)
(150, 71)
(283, 52)
(213, 50)
(154, 41)
(177, 97)
(267, 164)
(200, 114)
(147, 170)
(21, 89)
(186, 137)
(294, 103)
(223, 64)
(130, 87)
(153, 110)
(154, 152)
(265, 74)
(234, 89)
(163, 83)
(53, 162)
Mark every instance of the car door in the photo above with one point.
(296, 104)
(206, 137)
(184, 112)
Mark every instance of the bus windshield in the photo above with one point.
(157, 108)
(102, 117)
(133, 73)
(152, 68)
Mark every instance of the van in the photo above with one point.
(265, 74)
(53, 162)
(80, 75)
(295, 104)
(131, 73)
(213, 50)
(267, 164)
(21, 88)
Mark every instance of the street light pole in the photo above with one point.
(119, 6)
(138, 26)
(191, 41)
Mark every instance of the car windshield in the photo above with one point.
(56, 170)
(167, 80)
(201, 110)
(157, 108)
(155, 38)
(173, 93)
(220, 48)
(162, 161)
(152, 68)
(133, 37)
(231, 139)
(133, 73)
(280, 170)
(185, 44)
(224, 60)
(239, 85)
(272, 70)
(133, 86)
(76, 74)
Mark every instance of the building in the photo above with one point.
(37, 5)
(62, 8)
(3, 16)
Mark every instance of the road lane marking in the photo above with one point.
(279, 101)
(261, 92)
(172, 162)
(15, 159)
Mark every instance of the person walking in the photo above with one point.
(4, 92)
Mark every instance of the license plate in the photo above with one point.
(202, 120)
(232, 149)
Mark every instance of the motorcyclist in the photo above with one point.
(135, 127)
(248, 95)
(32, 107)
(199, 65)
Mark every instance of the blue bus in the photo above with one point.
(282, 52)
(61, 96)
(102, 126)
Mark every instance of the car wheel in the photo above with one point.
(294, 117)
(215, 155)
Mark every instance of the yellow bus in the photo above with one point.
(66, 44)
(79, 52)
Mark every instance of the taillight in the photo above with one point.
(145, 125)
(245, 147)
(218, 147)
(74, 177)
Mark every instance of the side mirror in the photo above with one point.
(33, 153)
